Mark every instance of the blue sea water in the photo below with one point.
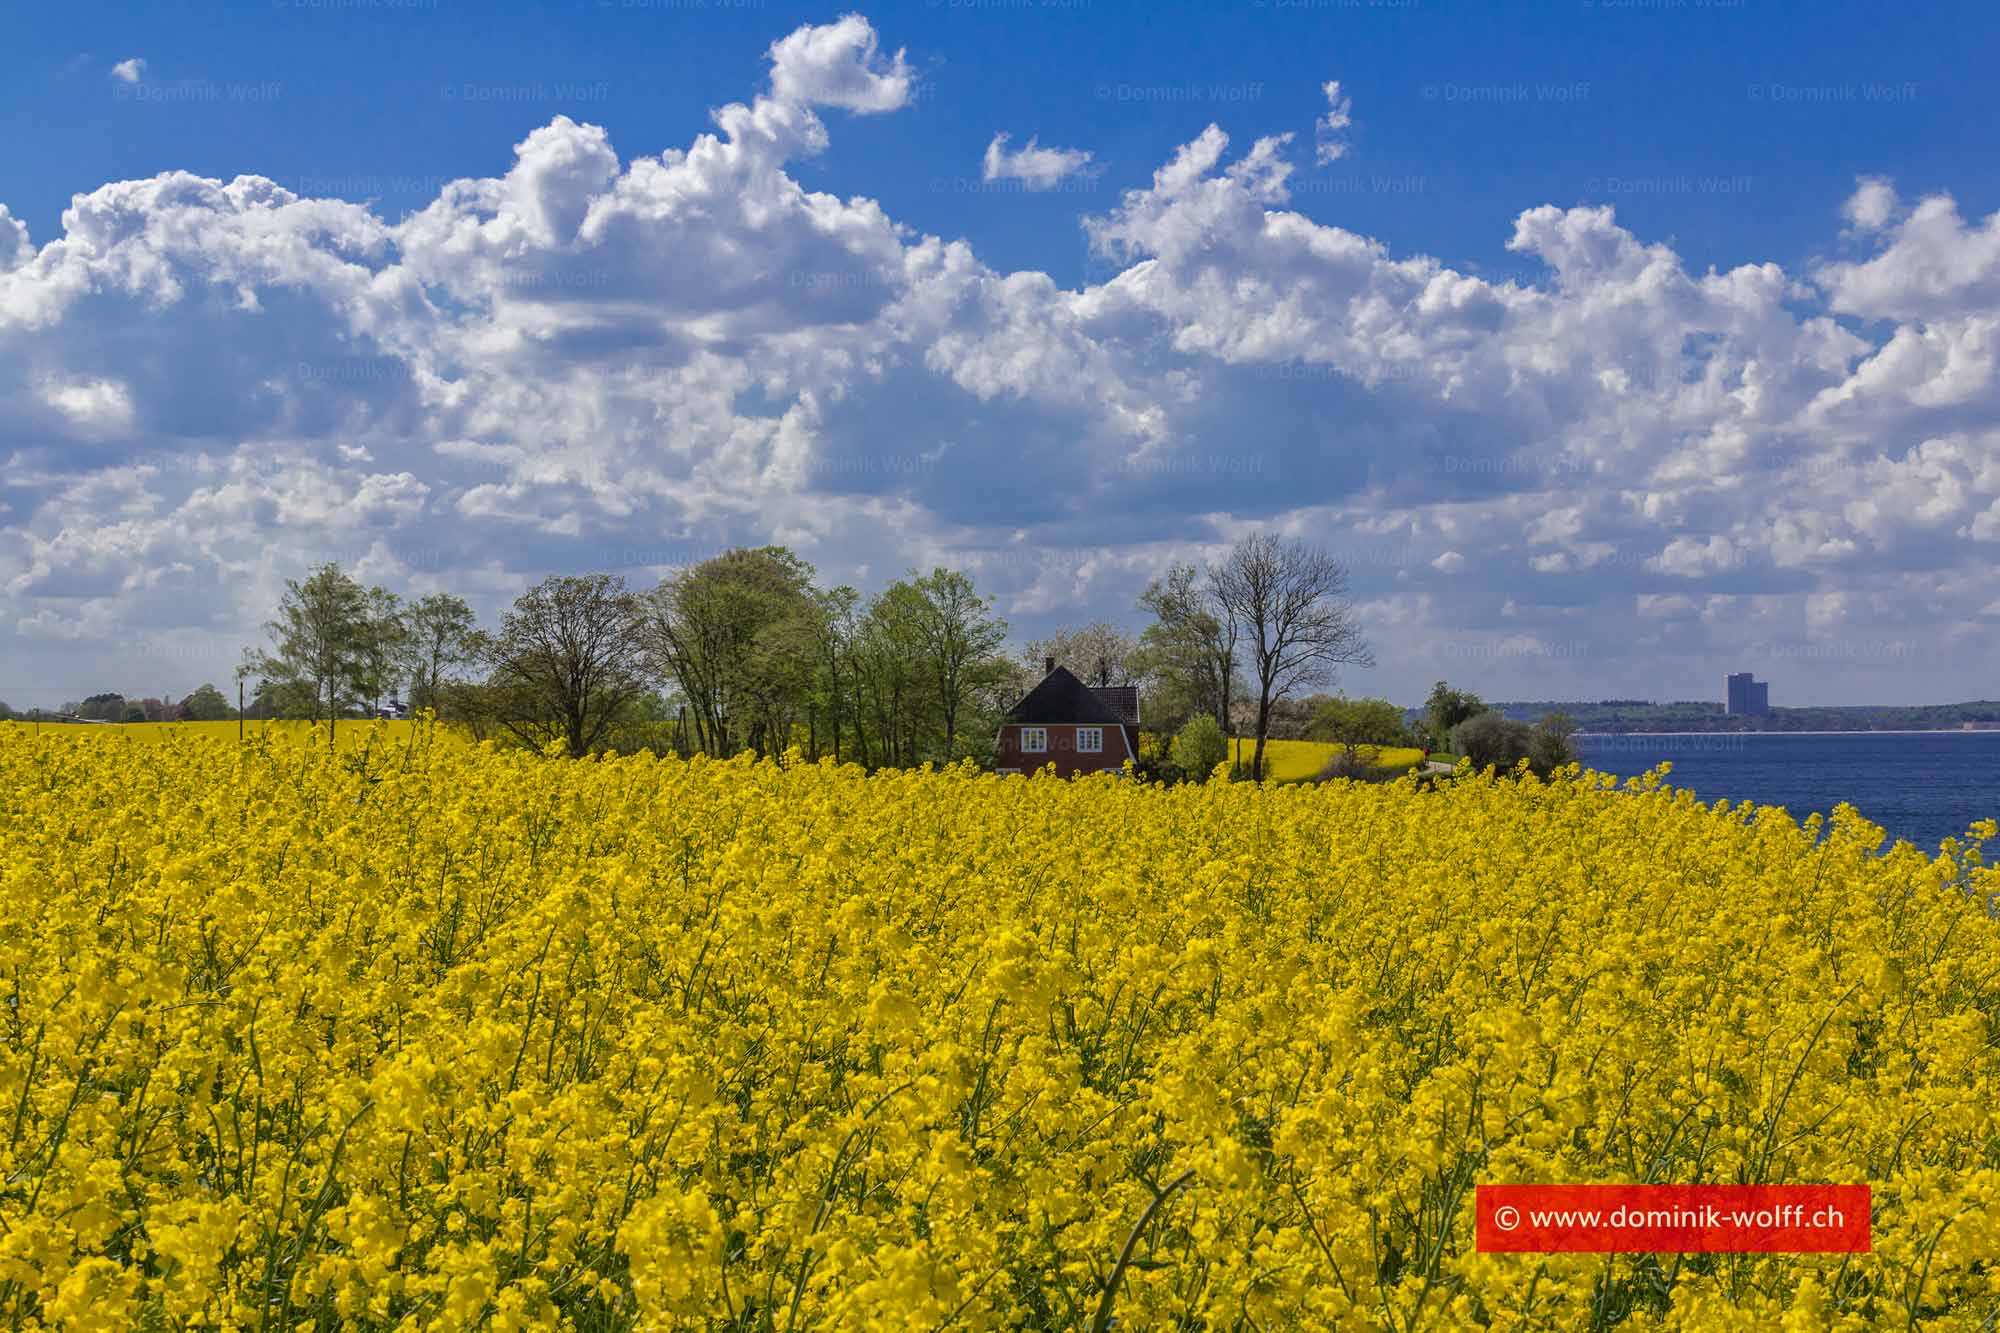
(1922, 786)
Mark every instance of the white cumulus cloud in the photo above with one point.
(839, 64)
(1329, 131)
(1036, 167)
(596, 361)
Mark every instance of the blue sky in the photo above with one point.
(375, 95)
(1616, 345)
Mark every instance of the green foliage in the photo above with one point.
(102, 708)
(1188, 655)
(1199, 746)
(440, 639)
(331, 645)
(959, 640)
(1446, 709)
(206, 704)
(1356, 722)
(740, 635)
(1490, 739)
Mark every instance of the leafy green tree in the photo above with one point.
(894, 699)
(959, 641)
(280, 699)
(206, 704)
(383, 635)
(1491, 739)
(833, 633)
(1445, 709)
(567, 662)
(1552, 746)
(1199, 746)
(322, 643)
(1354, 723)
(740, 636)
(1189, 653)
(105, 707)
(441, 639)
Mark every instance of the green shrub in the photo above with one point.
(1352, 722)
(1347, 764)
(1199, 747)
(1493, 740)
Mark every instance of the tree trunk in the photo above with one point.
(1263, 730)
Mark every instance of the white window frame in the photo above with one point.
(1090, 740)
(1034, 740)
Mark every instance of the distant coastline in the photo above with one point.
(1615, 717)
(1838, 731)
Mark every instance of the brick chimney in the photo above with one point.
(1048, 665)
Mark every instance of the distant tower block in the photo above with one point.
(1747, 696)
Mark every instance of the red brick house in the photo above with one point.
(1077, 727)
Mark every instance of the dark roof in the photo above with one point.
(1124, 700)
(1061, 697)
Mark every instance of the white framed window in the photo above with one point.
(1034, 740)
(1090, 740)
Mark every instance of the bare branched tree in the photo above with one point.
(1289, 602)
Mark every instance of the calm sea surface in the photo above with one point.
(1922, 786)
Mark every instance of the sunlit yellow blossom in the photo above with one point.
(422, 1033)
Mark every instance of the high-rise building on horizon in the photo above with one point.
(1747, 696)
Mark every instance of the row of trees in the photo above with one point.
(338, 647)
(740, 652)
(203, 705)
(746, 651)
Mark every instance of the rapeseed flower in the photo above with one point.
(442, 1035)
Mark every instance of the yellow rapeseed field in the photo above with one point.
(350, 732)
(1285, 760)
(433, 1035)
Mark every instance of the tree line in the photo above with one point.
(746, 651)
